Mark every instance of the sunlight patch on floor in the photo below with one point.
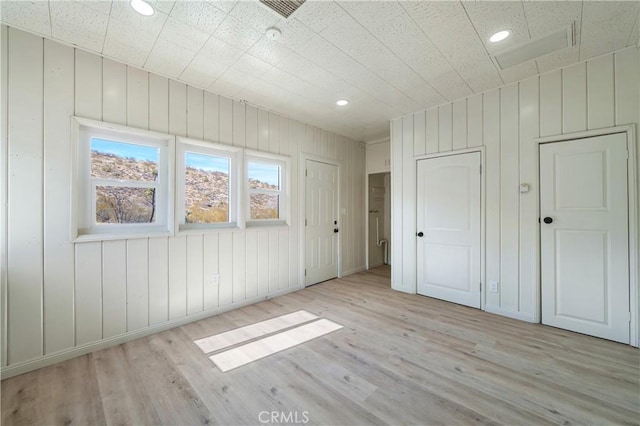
(244, 334)
(258, 349)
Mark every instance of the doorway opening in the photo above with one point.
(379, 215)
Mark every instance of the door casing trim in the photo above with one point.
(632, 194)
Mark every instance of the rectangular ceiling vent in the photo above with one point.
(284, 8)
(536, 48)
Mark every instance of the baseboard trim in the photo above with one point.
(353, 271)
(510, 314)
(54, 358)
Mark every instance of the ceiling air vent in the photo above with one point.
(283, 8)
(535, 48)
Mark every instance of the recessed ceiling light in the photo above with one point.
(142, 7)
(342, 102)
(499, 36)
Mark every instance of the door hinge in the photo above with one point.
(480, 287)
(629, 316)
(306, 172)
(305, 272)
(480, 168)
(305, 222)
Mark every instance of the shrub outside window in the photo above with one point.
(207, 185)
(122, 181)
(266, 186)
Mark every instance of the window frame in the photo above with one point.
(284, 201)
(83, 210)
(196, 146)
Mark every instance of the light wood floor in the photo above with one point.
(399, 359)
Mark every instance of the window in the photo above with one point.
(207, 185)
(121, 179)
(266, 189)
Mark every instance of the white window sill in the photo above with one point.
(119, 236)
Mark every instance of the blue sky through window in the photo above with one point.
(128, 150)
(207, 163)
(268, 173)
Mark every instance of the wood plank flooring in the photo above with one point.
(400, 359)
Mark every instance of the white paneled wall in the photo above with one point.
(58, 296)
(603, 92)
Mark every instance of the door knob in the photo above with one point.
(335, 230)
(420, 234)
(547, 220)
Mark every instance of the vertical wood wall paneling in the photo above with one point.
(274, 133)
(137, 284)
(195, 271)
(58, 250)
(88, 301)
(177, 108)
(158, 280)
(551, 103)
(195, 113)
(210, 268)
(600, 101)
(88, 292)
(491, 134)
(158, 103)
(627, 87)
(574, 98)
(409, 204)
(274, 272)
(114, 92)
(177, 277)
(420, 133)
(137, 98)
(225, 259)
(432, 130)
(88, 93)
(474, 118)
(396, 204)
(316, 141)
(294, 141)
(239, 265)
(509, 197)
(127, 285)
(251, 127)
(283, 147)
(445, 142)
(263, 262)
(25, 170)
(283, 264)
(332, 146)
(114, 288)
(4, 175)
(251, 257)
(460, 124)
(529, 131)
(211, 117)
(239, 124)
(263, 130)
(226, 120)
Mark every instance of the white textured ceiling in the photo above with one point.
(388, 58)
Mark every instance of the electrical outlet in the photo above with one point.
(493, 286)
(215, 279)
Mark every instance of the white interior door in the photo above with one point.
(584, 236)
(448, 217)
(321, 230)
